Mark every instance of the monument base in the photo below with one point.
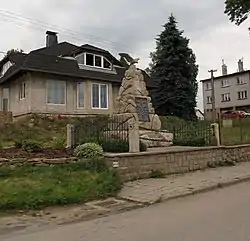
(156, 138)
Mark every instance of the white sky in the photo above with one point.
(128, 26)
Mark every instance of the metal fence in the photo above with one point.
(191, 133)
(235, 131)
(100, 129)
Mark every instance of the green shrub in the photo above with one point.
(88, 151)
(120, 146)
(115, 146)
(58, 143)
(31, 146)
(94, 164)
(143, 147)
(197, 141)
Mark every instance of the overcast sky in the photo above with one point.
(128, 26)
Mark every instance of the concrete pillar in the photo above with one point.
(216, 132)
(134, 137)
(70, 136)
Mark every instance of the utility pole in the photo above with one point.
(213, 94)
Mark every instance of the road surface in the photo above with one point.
(222, 215)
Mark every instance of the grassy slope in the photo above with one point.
(28, 187)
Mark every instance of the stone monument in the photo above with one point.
(133, 101)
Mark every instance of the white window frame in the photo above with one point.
(94, 66)
(65, 92)
(209, 99)
(241, 80)
(208, 86)
(99, 108)
(5, 68)
(226, 97)
(77, 95)
(225, 83)
(242, 95)
(22, 90)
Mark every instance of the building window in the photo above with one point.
(22, 90)
(93, 60)
(224, 83)
(241, 81)
(99, 96)
(56, 92)
(5, 68)
(242, 95)
(80, 95)
(208, 86)
(209, 100)
(226, 97)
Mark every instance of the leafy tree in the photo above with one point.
(11, 51)
(237, 10)
(174, 72)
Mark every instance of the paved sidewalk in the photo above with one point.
(174, 186)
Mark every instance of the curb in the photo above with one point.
(219, 185)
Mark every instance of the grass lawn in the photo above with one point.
(29, 187)
(238, 134)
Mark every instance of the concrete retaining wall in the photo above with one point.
(140, 165)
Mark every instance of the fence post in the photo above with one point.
(216, 132)
(134, 138)
(70, 136)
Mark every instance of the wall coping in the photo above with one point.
(165, 151)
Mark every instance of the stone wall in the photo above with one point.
(5, 117)
(36, 161)
(140, 165)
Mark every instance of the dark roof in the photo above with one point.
(48, 60)
(228, 75)
(60, 66)
(60, 49)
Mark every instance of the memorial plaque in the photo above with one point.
(142, 109)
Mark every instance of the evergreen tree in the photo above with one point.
(174, 72)
(237, 10)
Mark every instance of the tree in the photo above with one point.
(174, 72)
(11, 51)
(237, 10)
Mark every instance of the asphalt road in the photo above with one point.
(222, 215)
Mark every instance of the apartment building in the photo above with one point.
(232, 91)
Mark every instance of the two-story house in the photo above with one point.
(232, 91)
(61, 78)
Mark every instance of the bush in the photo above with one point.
(197, 141)
(120, 146)
(31, 146)
(88, 151)
(157, 174)
(58, 143)
(94, 165)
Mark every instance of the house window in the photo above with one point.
(242, 95)
(22, 89)
(241, 81)
(5, 68)
(93, 60)
(226, 97)
(209, 100)
(56, 92)
(208, 86)
(99, 96)
(224, 83)
(80, 95)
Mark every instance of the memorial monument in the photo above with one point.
(133, 101)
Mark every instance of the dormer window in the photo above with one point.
(5, 68)
(93, 60)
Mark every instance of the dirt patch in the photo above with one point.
(43, 153)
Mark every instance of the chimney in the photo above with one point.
(224, 68)
(240, 65)
(51, 39)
